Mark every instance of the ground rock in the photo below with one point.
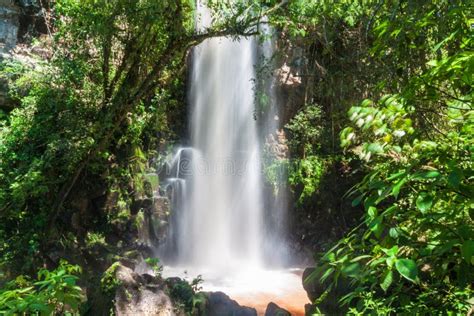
(219, 304)
(141, 295)
(275, 310)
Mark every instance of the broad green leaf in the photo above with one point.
(372, 211)
(326, 274)
(387, 280)
(424, 201)
(445, 247)
(357, 200)
(467, 251)
(375, 148)
(427, 174)
(455, 177)
(351, 270)
(397, 187)
(391, 252)
(396, 175)
(40, 307)
(465, 231)
(376, 226)
(331, 257)
(390, 261)
(407, 268)
(393, 232)
(370, 201)
(392, 209)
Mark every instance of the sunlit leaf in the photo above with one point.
(407, 268)
(397, 187)
(424, 201)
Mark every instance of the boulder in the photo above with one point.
(275, 310)
(219, 304)
(141, 295)
(312, 287)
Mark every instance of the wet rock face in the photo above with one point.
(19, 18)
(9, 24)
(154, 225)
(219, 304)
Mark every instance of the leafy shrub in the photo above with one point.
(154, 264)
(54, 292)
(305, 130)
(109, 282)
(414, 251)
(186, 293)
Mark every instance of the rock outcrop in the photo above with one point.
(9, 24)
(219, 304)
(275, 310)
(142, 295)
(19, 19)
(146, 295)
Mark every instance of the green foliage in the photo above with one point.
(38, 147)
(307, 172)
(276, 172)
(304, 140)
(154, 264)
(186, 294)
(305, 129)
(412, 253)
(95, 239)
(109, 282)
(54, 292)
(90, 116)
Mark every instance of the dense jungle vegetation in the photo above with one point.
(381, 146)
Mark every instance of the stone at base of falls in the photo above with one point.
(312, 287)
(146, 295)
(219, 304)
(275, 310)
(142, 295)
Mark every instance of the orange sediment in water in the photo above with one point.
(293, 301)
(257, 290)
(255, 287)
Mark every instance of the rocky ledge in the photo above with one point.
(147, 295)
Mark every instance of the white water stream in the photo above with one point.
(217, 228)
(221, 223)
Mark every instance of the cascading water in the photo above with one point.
(217, 226)
(221, 222)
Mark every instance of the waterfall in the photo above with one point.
(219, 224)
(226, 225)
